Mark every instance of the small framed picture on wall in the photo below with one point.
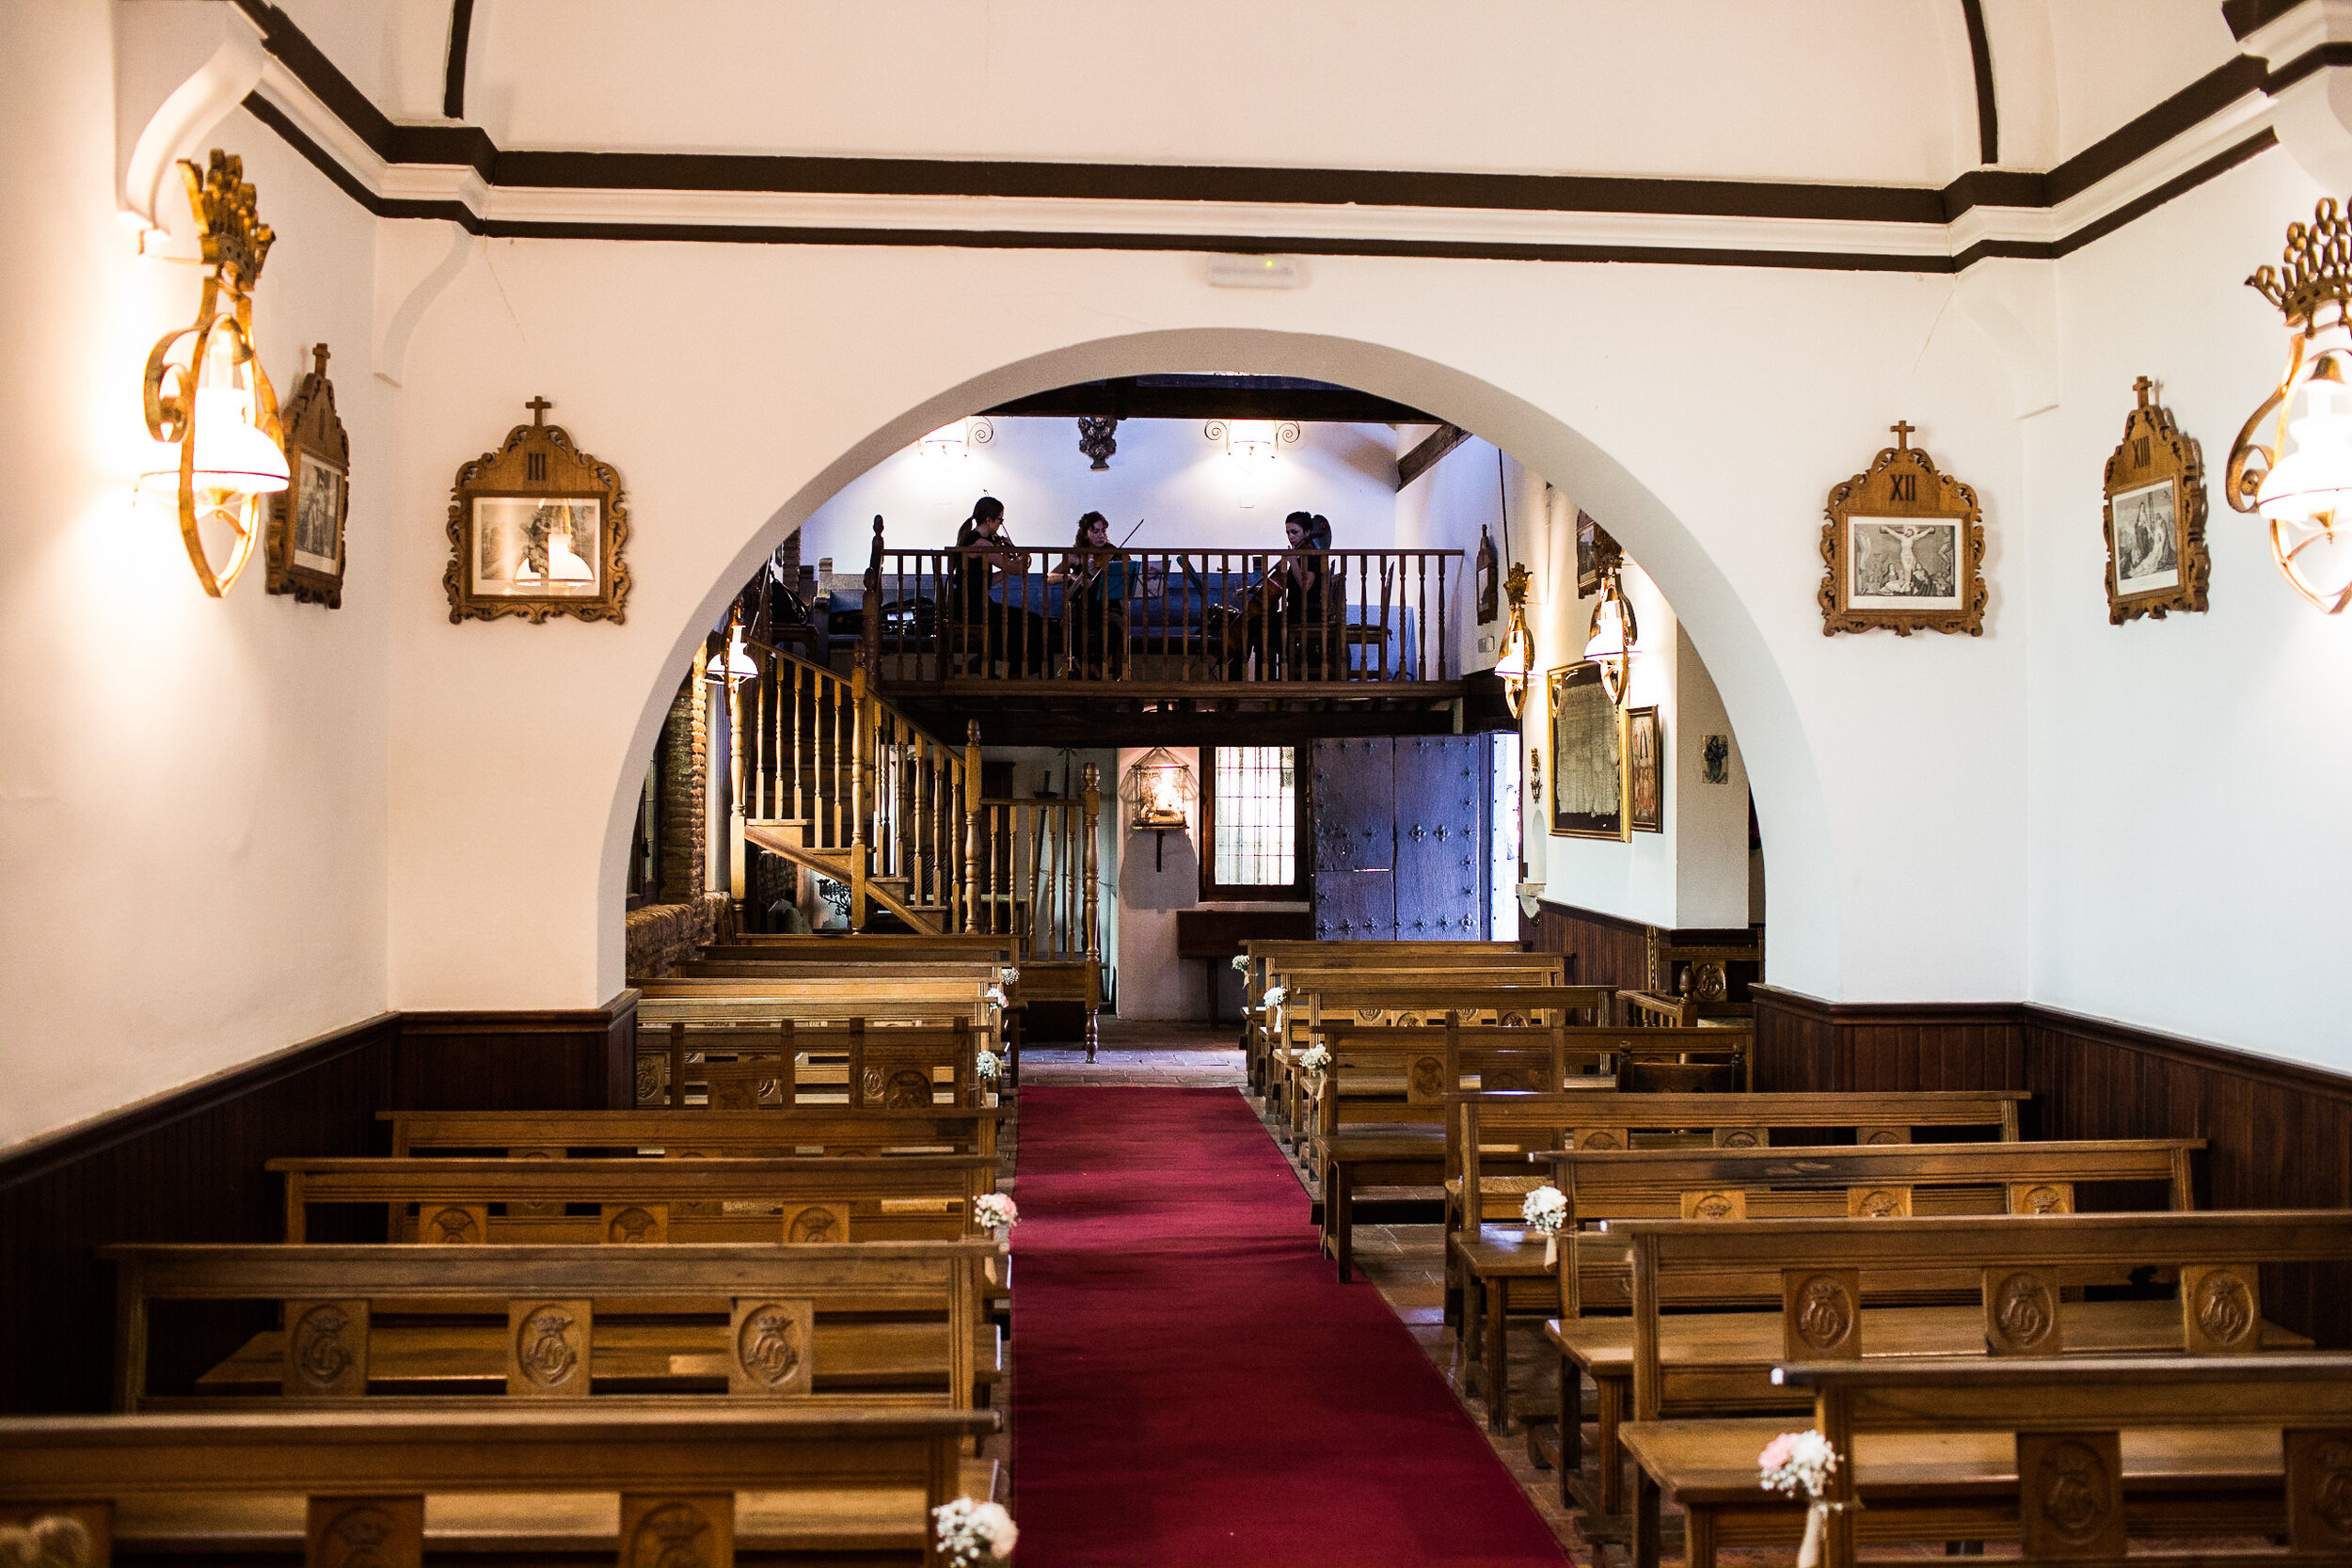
(1646, 749)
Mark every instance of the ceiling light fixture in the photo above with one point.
(1519, 648)
(957, 438)
(1611, 642)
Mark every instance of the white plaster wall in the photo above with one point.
(2187, 832)
(1168, 475)
(1444, 509)
(1709, 821)
(192, 791)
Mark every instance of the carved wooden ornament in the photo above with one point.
(535, 529)
(1716, 1203)
(366, 1533)
(673, 1531)
(2319, 1489)
(1821, 1314)
(771, 1351)
(304, 545)
(2221, 1308)
(625, 1223)
(2022, 1311)
(816, 1222)
(1904, 548)
(2071, 1495)
(548, 1348)
(2155, 517)
(326, 1350)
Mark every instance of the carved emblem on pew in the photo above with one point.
(48, 1541)
(2022, 1314)
(628, 1223)
(2075, 1508)
(551, 1341)
(2223, 1309)
(1727, 1203)
(772, 1346)
(817, 1222)
(1425, 1084)
(2319, 1487)
(678, 1532)
(456, 1225)
(2041, 1197)
(909, 1090)
(1819, 1309)
(1878, 1203)
(326, 1350)
(1596, 1138)
(367, 1532)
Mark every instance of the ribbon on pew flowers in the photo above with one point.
(972, 1533)
(996, 1213)
(1545, 1210)
(1801, 1462)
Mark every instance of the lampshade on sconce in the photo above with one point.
(1610, 643)
(1517, 659)
(735, 665)
(1159, 790)
(957, 438)
(2304, 491)
(209, 403)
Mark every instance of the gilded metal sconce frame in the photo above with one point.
(235, 242)
(1514, 584)
(2315, 273)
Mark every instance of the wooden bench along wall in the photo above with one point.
(2074, 1490)
(1825, 1272)
(693, 1480)
(910, 1197)
(882, 1321)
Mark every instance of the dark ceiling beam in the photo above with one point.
(1038, 728)
(1424, 457)
(1129, 399)
(1981, 57)
(453, 74)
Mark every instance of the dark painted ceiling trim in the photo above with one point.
(460, 39)
(1980, 59)
(1424, 457)
(1211, 398)
(2244, 16)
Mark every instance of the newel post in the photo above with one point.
(861, 790)
(869, 629)
(971, 824)
(1093, 798)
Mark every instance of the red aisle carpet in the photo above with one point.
(1192, 1386)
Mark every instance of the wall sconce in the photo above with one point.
(1159, 790)
(1252, 441)
(957, 438)
(2305, 492)
(1611, 646)
(735, 666)
(220, 449)
(1517, 659)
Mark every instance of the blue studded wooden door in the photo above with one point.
(1400, 839)
(1441, 856)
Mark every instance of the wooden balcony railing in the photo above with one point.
(1145, 619)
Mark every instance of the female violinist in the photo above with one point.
(1287, 616)
(1094, 598)
(986, 555)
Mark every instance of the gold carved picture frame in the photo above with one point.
(2154, 516)
(1590, 757)
(303, 546)
(1903, 549)
(1645, 770)
(536, 528)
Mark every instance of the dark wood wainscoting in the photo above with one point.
(2279, 1136)
(187, 1166)
(1602, 949)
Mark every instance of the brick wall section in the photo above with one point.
(678, 770)
(660, 936)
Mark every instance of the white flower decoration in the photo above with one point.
(1241, 963)
(995, 994)
(1315, 1057)
(1797, 1462)
(1545, 1210)
(1009, 977)
(995, 1211)
(970, 1533)
(989, 1066)
(1274, 998)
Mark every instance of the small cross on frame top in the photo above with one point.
(1903, 429)
(318, 359)
(538, 407)
(2143, 386)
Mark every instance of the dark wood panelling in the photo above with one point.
(186, 1168)
(1602, 949)
(2279, 1134)
(577, 1059)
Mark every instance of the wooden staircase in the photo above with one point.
(831, 778)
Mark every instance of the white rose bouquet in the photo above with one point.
(989, 1066)
(995, 1211)
(1545, 1210)
(1241, 963)
(1315, 1057)
(1800, 1462)
(972, 1533)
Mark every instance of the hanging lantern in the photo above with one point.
(1159, 791)
(1613, 634)
(1517, 659)
(735, 666)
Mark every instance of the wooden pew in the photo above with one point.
(1605, 1188)
(915, 1197)
(1409, 998)
(2019, 1268)
(890, 1322)
(888, 1055)
(709, 1481)
(808, 1130)
(1261, 954)
(909, 946)
(1652, 1010)
(1273, 1028)
(1217, 937)
(2073, 1456)
(883, 976)
(1493, 1135)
